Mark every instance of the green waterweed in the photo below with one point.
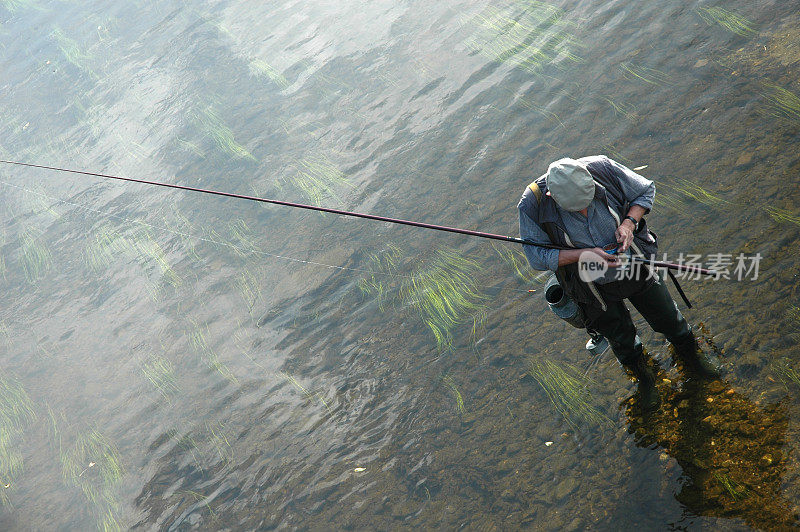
(567, 390)
(727, 19)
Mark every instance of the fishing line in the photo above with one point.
(188, 235)
(217, 242)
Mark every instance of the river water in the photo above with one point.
(173, 361)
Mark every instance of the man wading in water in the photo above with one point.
(588, 204)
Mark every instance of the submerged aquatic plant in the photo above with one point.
(727, 19)
(249, 289)
(16, 412)
(243, 240)
(90, 113)
(196, 496)
(150, 250)
(382, 282)
(786, 372)
(444, 293)
(217, 440)
(74, 53)
(196, 335)
(13, 6)
(623, 109)
(5, 333)
(36, 201)
(212, 125)
(106, 245)
(567, 390)
(190, 146)
(244, 342)
(215, 22)
(614, 152)
(782, 102)
(315, 397)
(188, 445)
(2, 256)
(181, 226)
(519, 264)
(652, 76)
(782, 215)
(36, 257)
(318, 179)
(689, 189)
(134, 150)
(670, 200)
(94, 465)
(261, 69)
(206, 445)
(529, 104)
(161, 374)
(731, 487)
(528, 35)
(448, 381)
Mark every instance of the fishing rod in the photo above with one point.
(479, 234)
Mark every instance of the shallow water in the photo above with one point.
(173, 361)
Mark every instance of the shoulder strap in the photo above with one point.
(549, 229)
(537, 192)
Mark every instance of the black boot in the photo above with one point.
(648, 392)
(695, 359)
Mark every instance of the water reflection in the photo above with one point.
(731, 450)
(225, 365)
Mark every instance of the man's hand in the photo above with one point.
(611, 260)
(624, 234)
(570, 256)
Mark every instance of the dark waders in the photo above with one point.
(656, 305)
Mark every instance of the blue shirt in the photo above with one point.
(594, 230)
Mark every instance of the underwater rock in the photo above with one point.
(504, 467)
(744, 159)
(730, 451)
(565, 487)
(482, 429)
(401, 509)
(468, 419)
(716, 386)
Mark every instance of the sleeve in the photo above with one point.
(538, 257)
(638, 190)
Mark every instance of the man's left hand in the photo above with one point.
(624, 234)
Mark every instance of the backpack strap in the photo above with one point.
(537, 192)
(549, 228)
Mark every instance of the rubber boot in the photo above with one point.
(648, 392)
(695, 359)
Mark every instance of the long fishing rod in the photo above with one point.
(480, 234)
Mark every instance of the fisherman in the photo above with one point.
(594, 203)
